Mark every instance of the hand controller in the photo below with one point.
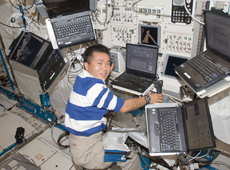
(158, 85)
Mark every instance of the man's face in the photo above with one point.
(99, 66)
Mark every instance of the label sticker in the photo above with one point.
(187, 75)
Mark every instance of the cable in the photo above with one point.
(73, 60)
(12, 20)
(71, 167)
(191, 14)
(109, 115)
(34, 164)
(15, 21)
(196, 157)
(36, 10)
(61, 93)
(101, 23)
(2, 106)
(111, 15)
(14, 156)
(106, 10)
(64, 134)
(105, 23)
(58, 142)
(140, 153)
(31, 27)
(52, 128)
(11, 26)
(21, 3)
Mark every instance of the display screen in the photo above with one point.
(56, 8)
(170, 63)
(149, 35)
(218, 33)
(141, 58)
(198, 125)
(29, 49)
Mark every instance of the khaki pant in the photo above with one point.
(88, 152)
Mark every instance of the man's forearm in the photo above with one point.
(136, 103)
(133, 104)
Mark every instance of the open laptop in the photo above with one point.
(173, 130)
(69, 22)
(37, 53)
(209, 71)
(140, 73)
(172, 81)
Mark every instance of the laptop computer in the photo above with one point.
(173, 130)
(172, 81)
(69, 22)
(140, 73)
(209, 70)
(37, 53)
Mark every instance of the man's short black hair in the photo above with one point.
(94, 48)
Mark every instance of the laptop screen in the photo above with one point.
(198, 125)
(218, 33)
(29, 49)
(170, 63)
(56, 8)
(141, 58)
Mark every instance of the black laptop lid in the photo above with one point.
(57, 8)
(141, 59)
(198, 125)
(218, 33)
(29, 50)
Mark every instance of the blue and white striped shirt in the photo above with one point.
(89, 100)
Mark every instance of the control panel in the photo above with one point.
(166, 22)
(179, 13)
(151, 13)
(122, 35)
(178, 42)
(123, 13)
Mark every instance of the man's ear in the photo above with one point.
(86, 65)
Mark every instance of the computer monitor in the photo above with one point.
(29, 49)
(149, 35)
(170, 63)
(217, 33)
(65, 7)
(140, 58)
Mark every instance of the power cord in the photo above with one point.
(21, 3)
(59, 141)
(138, 150)
(191, 14)
(61, 136)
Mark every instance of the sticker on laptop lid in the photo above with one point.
(227, 78)
(187, 75)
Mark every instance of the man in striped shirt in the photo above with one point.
(89, 101)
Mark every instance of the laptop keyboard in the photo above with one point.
(209, 69)
(130, 77)
(135, 79)
(170, 138)
(74, 26)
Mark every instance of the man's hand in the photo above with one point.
(156, 98)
